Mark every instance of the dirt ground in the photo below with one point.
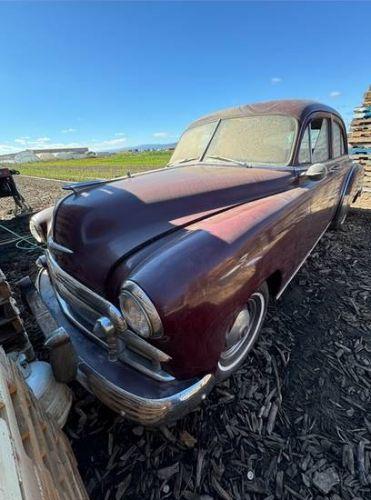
(293, 423)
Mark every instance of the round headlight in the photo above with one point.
(134, 314)
(139, 311)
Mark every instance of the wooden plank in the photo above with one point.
(360, 133)
(9, 483)
(360, 141)
(45, 465)
(360, 121)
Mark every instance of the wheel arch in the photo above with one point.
(274, 282)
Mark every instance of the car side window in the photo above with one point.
(338, 147)
(319, 140)
(304, 151)
(314, 147)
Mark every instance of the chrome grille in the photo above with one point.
(84, 307)
(73, 291)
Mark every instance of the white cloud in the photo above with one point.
(28, 143)
(8, 149)
(160, 135)
(276, 79)
(41, 140)
(335, 93)
(120, 134)
(107, 144)
(68, 130)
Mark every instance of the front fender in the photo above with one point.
(200, 277)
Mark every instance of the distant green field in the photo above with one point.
(96, 168)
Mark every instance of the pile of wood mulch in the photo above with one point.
(293, 423)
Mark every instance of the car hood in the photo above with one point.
(101, 225)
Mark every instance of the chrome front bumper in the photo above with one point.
(120, 386)
(147, 411)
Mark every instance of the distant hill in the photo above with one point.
(143, 147)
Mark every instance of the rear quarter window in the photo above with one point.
(338, 146)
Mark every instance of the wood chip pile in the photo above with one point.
(360, 138)
(293, 423)
(36, 460)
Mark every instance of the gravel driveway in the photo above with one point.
(293, 423)
(39, 193)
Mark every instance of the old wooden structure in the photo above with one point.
(36, 460)
(13, 336)
(360, 138)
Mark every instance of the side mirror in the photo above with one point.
(316, 172)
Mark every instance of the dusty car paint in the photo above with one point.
(116, 219)
(200, 239)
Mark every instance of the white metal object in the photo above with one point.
(54, 397)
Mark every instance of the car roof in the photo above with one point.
(297, 108)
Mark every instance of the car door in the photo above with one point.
(315, 147)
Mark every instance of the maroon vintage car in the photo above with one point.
(159, 282)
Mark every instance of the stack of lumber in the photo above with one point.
(36, 460)
(360, 138)
(13, 336)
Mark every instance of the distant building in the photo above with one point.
(9, 158)
(31, 155)
(25, 156)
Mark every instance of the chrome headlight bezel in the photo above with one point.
(134, 292)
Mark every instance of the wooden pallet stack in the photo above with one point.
(360, 138)
(13, 336)
(36, 460)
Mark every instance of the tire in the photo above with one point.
(238, 344)
(341, 214)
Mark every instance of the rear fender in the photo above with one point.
(352, 184)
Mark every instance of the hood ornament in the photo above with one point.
(56, 247)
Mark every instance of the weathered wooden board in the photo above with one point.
(36, 460)
(13, 335)
(364, 139)
(360, 121)
(360, 138)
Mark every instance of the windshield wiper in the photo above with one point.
(184, 160)
(230, 160)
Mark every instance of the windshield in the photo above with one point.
(252, 140)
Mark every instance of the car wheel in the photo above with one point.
(244, 332)
(341, 214)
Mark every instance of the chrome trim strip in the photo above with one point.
(301, 263)
(346, 184)
(78, 186)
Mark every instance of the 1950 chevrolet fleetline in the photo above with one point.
(159, 282)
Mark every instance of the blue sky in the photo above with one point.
(111, 75)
